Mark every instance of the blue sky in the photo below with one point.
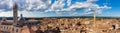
(114, 11)
(52, 8)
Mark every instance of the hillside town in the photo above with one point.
(74, 25)
(58, 25)
(80, 25)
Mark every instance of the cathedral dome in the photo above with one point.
(21, 19)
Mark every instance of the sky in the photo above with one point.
(58, 8)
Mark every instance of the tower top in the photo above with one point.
(21, 15)
(15, 6)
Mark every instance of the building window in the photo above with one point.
(6, 27)
(16, 30)
(13, 29)
(113, 26)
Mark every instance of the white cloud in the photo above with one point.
(9, 3)
(57, 6)
(2, 10)
(92, 0)
(68, 2)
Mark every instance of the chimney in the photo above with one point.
(15, 11)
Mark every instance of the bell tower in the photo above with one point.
(15, 11)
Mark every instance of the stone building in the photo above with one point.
(18, 24)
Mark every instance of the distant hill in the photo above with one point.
(11, 18)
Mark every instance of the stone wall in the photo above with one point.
(10, 28)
